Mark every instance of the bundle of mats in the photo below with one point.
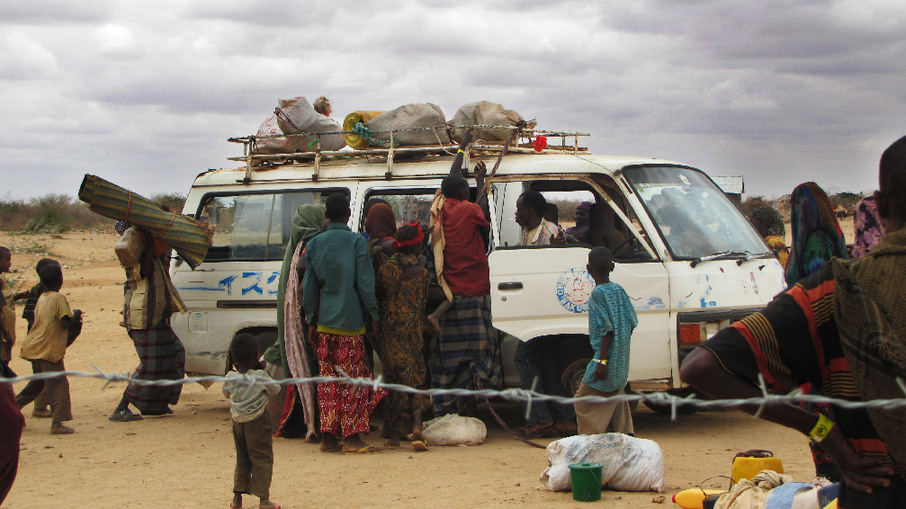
(190, 238)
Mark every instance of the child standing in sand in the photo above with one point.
(56, 327)
(31, 300)
(611, 320)
(251, 423)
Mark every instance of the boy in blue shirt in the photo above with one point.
(611, 319)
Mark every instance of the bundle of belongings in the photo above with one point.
(306, 127)
(425, 124)
(771, 490)
(629, 463)
(190, 238)
(452, 429)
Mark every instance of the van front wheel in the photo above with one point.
(572, 377)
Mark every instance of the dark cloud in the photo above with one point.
(777, 91)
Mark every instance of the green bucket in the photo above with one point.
(586, 481)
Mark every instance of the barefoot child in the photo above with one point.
(251, 423)
(56, 327)
(401, 287)
(611, 319)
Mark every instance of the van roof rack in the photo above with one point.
(569, 142)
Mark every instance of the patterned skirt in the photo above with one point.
(161, 357)
(345, 409)
(468, 349)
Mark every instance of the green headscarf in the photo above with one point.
(306, 224)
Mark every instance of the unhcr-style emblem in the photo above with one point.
(574, 290)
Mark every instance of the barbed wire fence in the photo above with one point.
(526, 396)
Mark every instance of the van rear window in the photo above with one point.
(253, 226)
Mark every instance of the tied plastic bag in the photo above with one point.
(486, 113)
(410, 115)
(453, 429)
(130, 247)
(630, 464)
(294, 116)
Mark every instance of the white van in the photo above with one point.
(685, 255)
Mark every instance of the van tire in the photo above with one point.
(575, 358)
(572, 374)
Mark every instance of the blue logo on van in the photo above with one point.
(574, 290)
(251, 282)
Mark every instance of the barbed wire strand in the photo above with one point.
(528, 396)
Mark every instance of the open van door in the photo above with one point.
(545, 290)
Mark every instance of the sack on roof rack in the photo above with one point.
(486, 113)
(296, 116)
(410, 116)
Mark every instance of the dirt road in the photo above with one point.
(186, 459)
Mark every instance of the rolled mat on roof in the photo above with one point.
(190, 238)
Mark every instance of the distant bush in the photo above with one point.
(58, 213)
(173, 201)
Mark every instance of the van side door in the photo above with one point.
(545, 290)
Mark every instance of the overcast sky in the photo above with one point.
(145, 94)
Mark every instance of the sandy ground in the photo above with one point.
(186, 459)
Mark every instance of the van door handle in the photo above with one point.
(516, 285)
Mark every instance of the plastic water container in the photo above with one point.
(746, 465)
(586, 481)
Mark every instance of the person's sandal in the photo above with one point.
(124, 416)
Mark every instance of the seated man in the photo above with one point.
(841, 329)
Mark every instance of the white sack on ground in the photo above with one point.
(453, 429)
(630, 464)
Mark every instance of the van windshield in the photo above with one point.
(694, 217)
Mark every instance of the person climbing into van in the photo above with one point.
(401, 286)
(149, 300)
(338, 296)
(291, 354)
(841, 329)
(537, 360)
(468, 346)
(611, 320)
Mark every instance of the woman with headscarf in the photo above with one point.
(582, 217)
(291, 354)
(401, 286)
(868, 228)
(816, 239)
(769, 224)
(380, 226)
(816, 234)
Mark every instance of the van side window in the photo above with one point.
(584, 215)
(409, 205)
(252, 226)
